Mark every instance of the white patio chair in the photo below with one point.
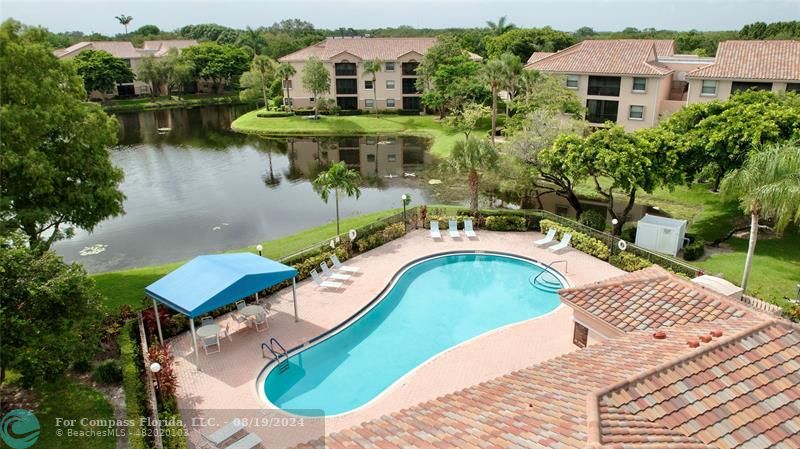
(435, 234)
(206, 320)
(324, 284)
(211, 341)
(326, 272)
(337, 264)
(564, 243)
(261, 319)
(468, 228)
(237, 316)
(549, 238)
(452, 228)
(224, 433)
(226, 332)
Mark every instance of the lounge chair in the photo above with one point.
(324, 284)
(337, 264)
(249, 442)
(435, 234)
(452, 228)
(468, 229)
(224, 433)
(548, 239)
(564, 243)
(326, 272)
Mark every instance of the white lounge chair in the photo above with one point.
(564, 243)
(324, 284)
(468, 229)
(337, 264)
(548, 239)
(435, 234)
(452, 228)
(224, 433)
(249, 442)
(326, 272)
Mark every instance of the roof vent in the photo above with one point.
(693, 342)
(660, 335)
(716, 333)
(705, 338)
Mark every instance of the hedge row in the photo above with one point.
(628, 262)
(444, 220)
(505, 223)
(130, 358)
(377, 239)
(580, 241)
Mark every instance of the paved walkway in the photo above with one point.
(226, 385)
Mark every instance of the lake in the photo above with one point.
(194, 187)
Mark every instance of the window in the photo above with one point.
(604, 85)
(709, 88)
(390, 84)
(410, 86)
(391, 157)
(410, 68)
(370, 158)
(345, 68)
(572, 81)
(369, 103)
(346, 86)
(793, 87)
(600, 111)
(347, 103)
(371, 140)
(636, 112)
(390, 102)
(580, 335)
(738, 86)
(639, 84)
(287, 84)
(389, 66)
(368, 84)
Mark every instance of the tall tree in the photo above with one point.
(339, 179)
(317, 80)
(58, 172)
(124, 21)
(101, 71)
(258, 79)
(468, 118)
(152, 71)
(253, 41)
(500, 27)
(766, 186)
(512, 72)
(494, 73)
(286, 71)
(371, 68)
(222, 64)
(448, 77)
(539, 91)
(180, 70)
(472, 156)
(524, 41)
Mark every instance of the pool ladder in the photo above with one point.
(277, 353)
(547, 285)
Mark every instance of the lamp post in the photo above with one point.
(259, 248)
(611, 245)
(155, 367)
(406, 199)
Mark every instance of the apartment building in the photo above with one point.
(394, 86)
(636, 83)
(132, 56)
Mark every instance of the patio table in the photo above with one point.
(251, 311)
(209, 330)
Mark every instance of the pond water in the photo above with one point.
(195, 187)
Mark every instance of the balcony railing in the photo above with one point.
(410, 68)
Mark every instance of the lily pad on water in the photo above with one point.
(92, 250)
(435, 181)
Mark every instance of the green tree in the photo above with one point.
(180, 70)
(524, 41)
(317, 80)
(494, 74)
(124, 21)
(101, 71)
(153, 72)
(499, 27)
(538, 91)
(286, 71)
(148, 30)
(468, 118)
(257, 80)
(339, 179)
(766, 186)
(448, 77)
(371, 68)
(253, 41)
(512, 82)
(57, 172)
(473, 155)
(221, 64)
(50, 314)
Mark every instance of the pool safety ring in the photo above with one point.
(352, 234)
(622, 245)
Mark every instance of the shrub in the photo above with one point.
(305, 266)
(593, 219)
(376, 239)
(694, 250)
(580, 241)
(346, 112)
(408, 112)
(82, 366)
(628, 262)
(629, 234)
(129, 350)
(272, 114)
(108, 372)
(505, 223)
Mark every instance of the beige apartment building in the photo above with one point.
(636, 83)
(132, 56)
(394, 87)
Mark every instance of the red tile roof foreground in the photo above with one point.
(613, 56)
(767, 60)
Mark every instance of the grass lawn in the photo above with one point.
(172, 101)
(127, 286)
(70, 399)
(417, 125)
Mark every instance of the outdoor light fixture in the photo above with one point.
(259, 248)
(614, 222)
(155, 367)
(406, 199)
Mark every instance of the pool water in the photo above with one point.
(434, 305)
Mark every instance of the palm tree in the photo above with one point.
(494, 73)
(286, 71)
(124, 21)
(264, 66)
(512, 68)
(372, 68)
(471, 155)
(252, 40)
(500, 27)
(767, 185)
(338, 178)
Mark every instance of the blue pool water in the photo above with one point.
(433, 306)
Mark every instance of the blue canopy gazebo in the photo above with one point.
(206, 283)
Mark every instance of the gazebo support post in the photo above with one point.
(158, 321)
(194, 342)
(294, 298)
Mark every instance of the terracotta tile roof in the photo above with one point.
(160, 48)
(119, 49)
(383, 48)
(767, 60)
(613, 57)
(739, 392)
(537, 55)
(651, 298)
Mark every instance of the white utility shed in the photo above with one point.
(661, 234)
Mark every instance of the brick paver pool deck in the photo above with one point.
(226, 384)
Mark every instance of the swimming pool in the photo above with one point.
(432, 305)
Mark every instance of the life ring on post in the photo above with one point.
(622, 245)
(352, 234)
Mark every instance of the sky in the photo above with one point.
(602, 15)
